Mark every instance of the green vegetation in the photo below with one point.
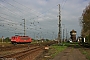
(85, 23)
(53, 51)
(7, 39)
(88, 38)
(86, 52)
(5, 44)
(56, 49)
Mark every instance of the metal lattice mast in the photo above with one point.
(24, 26)
(59, 33)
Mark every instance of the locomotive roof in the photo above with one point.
(19, 36)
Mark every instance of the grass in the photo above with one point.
(86, 52)
(54, 50)
(57, 49)
(5, 43)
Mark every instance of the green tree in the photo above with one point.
(85, 23)
(7, 39)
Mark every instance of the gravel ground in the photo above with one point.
(70, 54)
(33, 55)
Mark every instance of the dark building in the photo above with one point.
(73, 35)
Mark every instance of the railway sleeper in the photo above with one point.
(19, 55)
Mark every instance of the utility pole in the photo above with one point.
(63, 32)
(24, 26)
(2, 39)
(66, 34)
(63, 35)
(59, 33)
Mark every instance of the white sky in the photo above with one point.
(41, 17)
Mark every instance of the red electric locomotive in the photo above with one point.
(20, 39)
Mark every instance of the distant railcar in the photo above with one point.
(21, 39)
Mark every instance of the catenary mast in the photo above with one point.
(59, 33)
(24, 26)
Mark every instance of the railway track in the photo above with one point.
(12, 47)
(21, 55)
(18, 53)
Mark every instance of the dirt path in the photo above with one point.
(70, 54)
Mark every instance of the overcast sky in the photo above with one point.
(41, 17)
